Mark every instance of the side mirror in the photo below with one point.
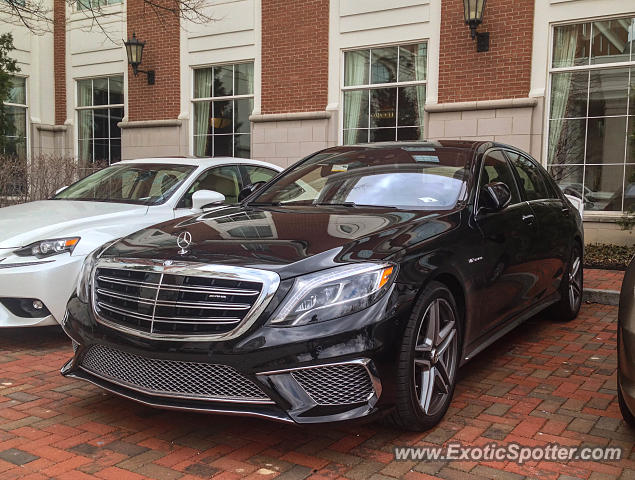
(203, 198)
(249, 189)
(494, 197)
(59, 190)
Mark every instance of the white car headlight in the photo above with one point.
(86, 272)
(334, 293)
(47, 248)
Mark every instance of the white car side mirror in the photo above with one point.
(577, 203)
(203, 198)
(61, 189)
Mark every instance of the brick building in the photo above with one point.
(278, 79)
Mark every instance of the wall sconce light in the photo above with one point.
(473, 11)
(134, 51)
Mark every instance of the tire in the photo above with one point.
(626, 413)
(571, 289)
(428, 361)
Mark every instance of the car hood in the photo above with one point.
(29, 222)
(291, 240)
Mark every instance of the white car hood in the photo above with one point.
(47, 219)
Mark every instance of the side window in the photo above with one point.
(257, 174)
(225, 180)
(530, 178)
(495, 168)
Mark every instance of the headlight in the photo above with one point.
(86, 272)
(46, 248)
(334, 293)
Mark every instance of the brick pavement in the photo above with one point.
(603, 279)
(544, 382)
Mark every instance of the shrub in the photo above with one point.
(39, 178)
(614, 257)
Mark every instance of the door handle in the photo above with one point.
(565, 211)
(528, 218)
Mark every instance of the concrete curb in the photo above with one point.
(604, 297)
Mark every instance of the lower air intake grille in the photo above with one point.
(169, 378)
(336, 384)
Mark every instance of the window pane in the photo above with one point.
(630, 148)
(383, 134)
(115, 150)
(259, 174)
(203, 83)
(569, 179)
(85, 124)
(495, 168)
(604, 185)
(243, 107)
(16, 121)
(223, 145)
(531, 179)
(608, 92)
(412, 62)
(384, 65)
(242, 147)
(101, 123)
(356, 67)
(116, 90)
(101, 150)
(571, 45)
(223, 81)
(610, 42)
(100, 91)
(631, 101)
(203, 146)
(629, 189)
(17, 91)
(411, 103)
(244, 79)
(566, 141)
(410, 133)
(352, 137)
(356, 109)
(382, 107)
(605, 140)
(84, 93)
(569, 95)
(85, 151)
(223, 117)
(116, 116)
(202, 119)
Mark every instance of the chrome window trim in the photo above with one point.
(270, 282)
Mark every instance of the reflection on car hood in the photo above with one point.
(46, 219)
(290, 240)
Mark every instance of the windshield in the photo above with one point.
(421, 177)
(143, 184)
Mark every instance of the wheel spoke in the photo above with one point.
(446, 342)
(422, 363)
(432, 332)
(427, 388)
(443, 377)
(575, 267)
(423, 348)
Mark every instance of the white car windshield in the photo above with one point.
(400, 177)
(142, 184)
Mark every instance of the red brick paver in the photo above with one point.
(603, 279)
(544, 382)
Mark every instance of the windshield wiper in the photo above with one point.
(263, 204)
(353, 205)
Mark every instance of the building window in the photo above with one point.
(15, 137)
(99, 110)
(591, 136)
(384, 93)
(223, 101)
(95, 4)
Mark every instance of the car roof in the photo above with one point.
(203, 161)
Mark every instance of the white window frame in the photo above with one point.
(372, 86)
(195, 100)
(97, 107)
(25, 106)
(630, 64)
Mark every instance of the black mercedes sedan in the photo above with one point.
(354, 283)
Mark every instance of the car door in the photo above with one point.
(507, 273)
(551, 250)
(225, 179)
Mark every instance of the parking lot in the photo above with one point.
(545, 382)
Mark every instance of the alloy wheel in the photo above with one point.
(435, 356)
(575, 281)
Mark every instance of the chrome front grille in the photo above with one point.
(170, 378)
(181, 301)
(336, 384)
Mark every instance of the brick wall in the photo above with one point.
(160, 30)
(294, 55)
(504, 71)
(59, 59)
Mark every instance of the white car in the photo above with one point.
(43, 243)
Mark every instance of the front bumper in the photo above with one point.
(51, 281)
(332, 371)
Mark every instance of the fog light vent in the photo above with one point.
(336, 384)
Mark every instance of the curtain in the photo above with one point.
(85, 120)
(563, 54)
(355, 73)
(202, 89)
(420, 74)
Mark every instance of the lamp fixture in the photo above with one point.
(473, 13)
(134, 51)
